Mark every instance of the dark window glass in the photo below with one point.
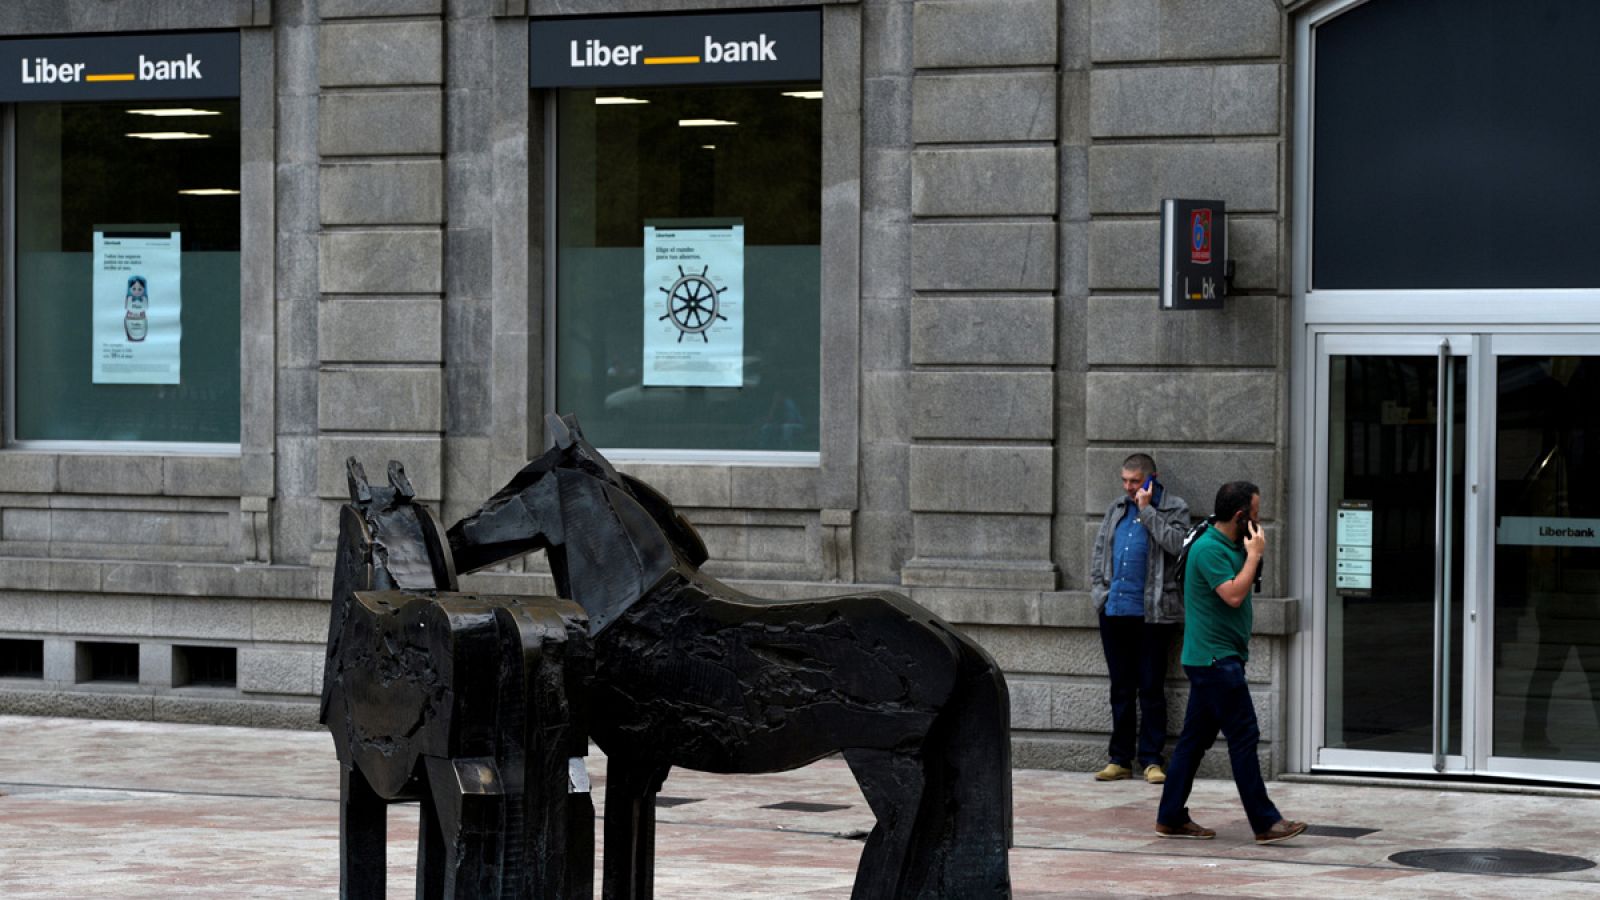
(629, 158)
(1455, 145)
(88, 167)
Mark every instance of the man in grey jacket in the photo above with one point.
(1133, 578)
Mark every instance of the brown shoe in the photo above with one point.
(1154, 775)
(1187, 831)
(1281, 830)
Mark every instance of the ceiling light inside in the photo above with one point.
(167, 135)
(703, 123)
(618, 101)
(185, 111)
(210, 192)
(804, 95)
(708, 146)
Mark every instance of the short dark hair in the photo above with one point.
(1232, 497)
(1143, 463)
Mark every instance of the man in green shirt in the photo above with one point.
(1222, 564)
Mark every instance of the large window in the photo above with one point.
(126, 291)
(688, 266)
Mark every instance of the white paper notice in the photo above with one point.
(694, 306)
(137, 308)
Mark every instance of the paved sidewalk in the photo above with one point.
(142, 810)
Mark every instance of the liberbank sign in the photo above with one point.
(185, 65)
(718, 48)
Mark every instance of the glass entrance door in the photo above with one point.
(1393, 462)
(1455, 554)
(1545, 681)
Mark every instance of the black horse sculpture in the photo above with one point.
(690, 672)
(471, 704)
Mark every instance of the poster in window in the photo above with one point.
(694, 306)
(137, 307)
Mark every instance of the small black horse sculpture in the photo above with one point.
(471, 704)
(690, 672)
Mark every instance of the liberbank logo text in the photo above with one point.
(594, 53)
(781, 46)
(41, 70)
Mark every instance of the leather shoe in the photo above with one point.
(1186, 831)
(1281, 830)
(1113, 772)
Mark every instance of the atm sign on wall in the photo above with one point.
(686, 49)
(1194, 254)
(179, 65)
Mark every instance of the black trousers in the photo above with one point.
(1136, 658)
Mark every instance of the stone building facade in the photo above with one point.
(991, 342)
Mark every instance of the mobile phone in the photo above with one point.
(1148, 481)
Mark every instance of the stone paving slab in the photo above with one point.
(149, 810)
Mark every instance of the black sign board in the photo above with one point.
(1194, 254)
(684, 49)
(175, 66)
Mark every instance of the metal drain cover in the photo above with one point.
(1492, 861)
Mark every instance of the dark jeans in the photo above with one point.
(1219, 698)
(1136, 659)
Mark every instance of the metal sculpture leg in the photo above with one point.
(892, 784)
(469, 805)
(630, 852)
(363, 838)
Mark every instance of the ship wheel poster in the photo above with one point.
(694, 306)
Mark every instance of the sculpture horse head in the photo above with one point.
(631, 538)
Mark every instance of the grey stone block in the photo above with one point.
(25, 472)
(1127, 30)
(886, 36)
(984, 182)
(340, 9)
(25, 525)
(885, 407)
(387, 329)
(1253, 246)
(131, 705)
(1133, 178)
(1186, 406)
(290, 621)
(983, 107)
(950, 33)
(279, 671)
(28, 608)
(381, 399)
(886, 111)
(380, 53)
(885, 478)
(882, 543)
(155, 665)
(989, 330)
(981, 576)
(1136, 331)
(201, 618)
(375, 123)
(60, 661)
(983, 256)
(1184, 100)
(1193, 473)
(119, 616)
(885, 334)
(1056, 752)
(690, 486)
(774, 487)
(422, 457)
(1003, 405)
(1045, 651)
(381, 262)
(1030, 704)
(399, 192)
(998, 537)
(978, 478)
(235, 713)
(73, 16)
(200, 476)
(89, 474)
(969, 607)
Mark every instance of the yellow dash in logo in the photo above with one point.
(670, 60)
(125, 76)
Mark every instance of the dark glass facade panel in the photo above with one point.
(1455, 144)
(624, 165)
(80, 167)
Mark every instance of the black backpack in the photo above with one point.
(1182, 559)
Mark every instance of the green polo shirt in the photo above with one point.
(1212, 629)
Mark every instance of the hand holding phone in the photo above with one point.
(1142, 496)
(1255, 541)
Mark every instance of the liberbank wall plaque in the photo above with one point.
(684, 49)
(1194, 254)
(178, 66)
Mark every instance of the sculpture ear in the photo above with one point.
(560, 435)
(399, 481)
(571, 420)
(360, 491)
